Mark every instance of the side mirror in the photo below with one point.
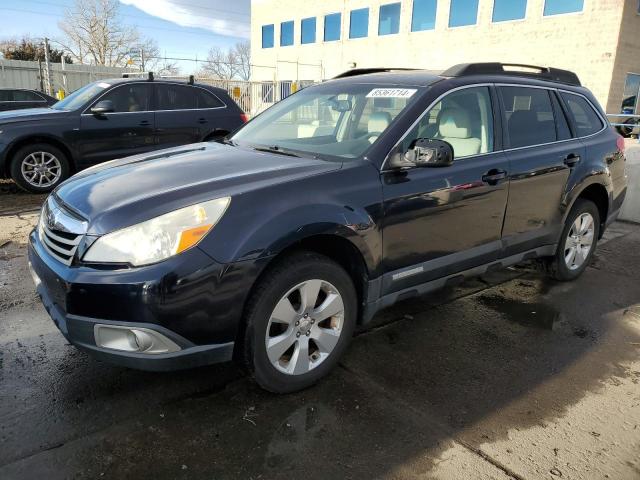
(425, 152)
(102, 107)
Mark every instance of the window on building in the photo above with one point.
(463, 12)
(630, 94)
(286, 34)
(528, 116)
(359, 23)
(423, 16)
(332, 27)
(267, 36)
(504, 10)
(389, 19)
(556, 7)
(584, 117)
(308, 30)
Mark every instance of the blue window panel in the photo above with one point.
(423, 16)
(556, 7)
(389, 19)
(504, 10)
(359, 23)
(332, 27)
(308, 30)
(267, 36)
(463, 12)
(286, 34)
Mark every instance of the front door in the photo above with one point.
(541, 156)
(128, 130)
(439, 221)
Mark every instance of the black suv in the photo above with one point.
(40, 148)
(341, 199)
(19, 98)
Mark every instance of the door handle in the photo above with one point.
(493, 176)
(145, 123)
(571, 159)
(202, 121)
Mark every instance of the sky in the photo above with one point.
(182, 28)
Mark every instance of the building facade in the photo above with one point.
(302, 40)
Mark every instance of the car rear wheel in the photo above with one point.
(300, 320)
(39, 168)
(577, 243)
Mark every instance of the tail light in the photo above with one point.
(620, 143)
(244, 117)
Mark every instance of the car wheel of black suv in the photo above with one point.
(577, 242)
(39, 168)
(300, 320)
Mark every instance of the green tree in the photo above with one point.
(27, 49)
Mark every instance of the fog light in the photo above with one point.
(133, 339)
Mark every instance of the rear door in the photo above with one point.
(128, 130)
(178, 120)
(542, 155)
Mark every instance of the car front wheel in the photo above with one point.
(39, 168)
(300, 320)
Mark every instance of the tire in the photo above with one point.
(327, 339)
(625, 131)
(27, 159)
(559, 266)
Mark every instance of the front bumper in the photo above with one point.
(189, 299)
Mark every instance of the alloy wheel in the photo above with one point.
(304, 327)
(41, 169)
(579, 241)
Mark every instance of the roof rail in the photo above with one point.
(515, 69)
(139, 74)
(364, 71)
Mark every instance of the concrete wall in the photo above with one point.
(585, 42)
(627, 58)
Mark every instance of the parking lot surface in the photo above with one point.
(507, 376)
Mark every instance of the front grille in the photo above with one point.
(60, 231)
(61, 245)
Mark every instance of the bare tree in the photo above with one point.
(229, 64)
(94, 33)
(243, 58)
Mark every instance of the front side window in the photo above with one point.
(557, 7)
(528, 116)
(308, 30)
(504, 10)
(130, 98)
(334, 122)
(463, 118)
(463, 12)
(332, 27)
(389, 19)
(5, 96)
(286, 34)
(584, 117)
(423, 16)
(267, 36)
(359, 23)
(176, 97)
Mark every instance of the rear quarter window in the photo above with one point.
(584, 117)
(208, 100)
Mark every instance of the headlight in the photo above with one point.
(158, 238)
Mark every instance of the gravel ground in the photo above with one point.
(507, 376)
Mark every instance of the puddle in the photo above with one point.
(538, 315)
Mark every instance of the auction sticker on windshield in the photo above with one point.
(391, 92)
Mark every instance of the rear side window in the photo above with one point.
(25, 96)
(176, 97)
(5, 96)
(584, 117)
(528, 116)
(208, 100)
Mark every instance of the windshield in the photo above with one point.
(81, 96)
(339, 120)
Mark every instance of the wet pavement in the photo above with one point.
(507, 376)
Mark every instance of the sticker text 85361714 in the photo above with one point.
(391, 92)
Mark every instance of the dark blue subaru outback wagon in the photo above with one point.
(345, 197)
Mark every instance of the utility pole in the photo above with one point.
(47, 66)
(142, 59)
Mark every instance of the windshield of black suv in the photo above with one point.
(329, 121)
(81, 96)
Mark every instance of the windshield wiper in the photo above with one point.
(276, 149)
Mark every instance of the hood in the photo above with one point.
(26, 114)
(124, 192)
